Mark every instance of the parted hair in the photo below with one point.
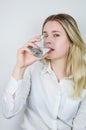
(76, 64)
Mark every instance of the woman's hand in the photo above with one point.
(24, 55)
(25, 58)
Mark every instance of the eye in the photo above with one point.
(56, 35)
(45, 36)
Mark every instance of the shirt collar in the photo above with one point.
(47, 69)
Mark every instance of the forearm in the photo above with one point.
(16, 92)
(14, 97)
(8, 100)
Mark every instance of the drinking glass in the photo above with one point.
(40, 51)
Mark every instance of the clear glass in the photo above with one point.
(41, 50)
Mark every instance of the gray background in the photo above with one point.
(20, 20)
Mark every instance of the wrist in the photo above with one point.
(18, 72)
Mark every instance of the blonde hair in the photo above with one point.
(76, 64)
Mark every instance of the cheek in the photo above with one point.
(62, 47)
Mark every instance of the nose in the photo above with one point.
(48, 40)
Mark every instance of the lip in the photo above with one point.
(51, 50)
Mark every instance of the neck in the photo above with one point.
(59, 68)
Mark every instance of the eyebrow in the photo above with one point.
(54, 31)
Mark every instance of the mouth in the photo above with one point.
(51, 50)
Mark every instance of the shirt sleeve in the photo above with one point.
(15, 95)
(79, 122)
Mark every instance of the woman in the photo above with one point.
(53, 88)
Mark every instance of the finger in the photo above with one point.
(24, 49)
(31, 44)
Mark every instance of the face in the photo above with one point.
(56, 39)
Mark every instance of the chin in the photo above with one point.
(48, 57)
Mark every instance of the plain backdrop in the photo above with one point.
(21, 20)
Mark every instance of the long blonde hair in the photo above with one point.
(76, 64)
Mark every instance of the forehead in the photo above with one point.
(53, 25)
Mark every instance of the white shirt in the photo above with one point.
(49, 105)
